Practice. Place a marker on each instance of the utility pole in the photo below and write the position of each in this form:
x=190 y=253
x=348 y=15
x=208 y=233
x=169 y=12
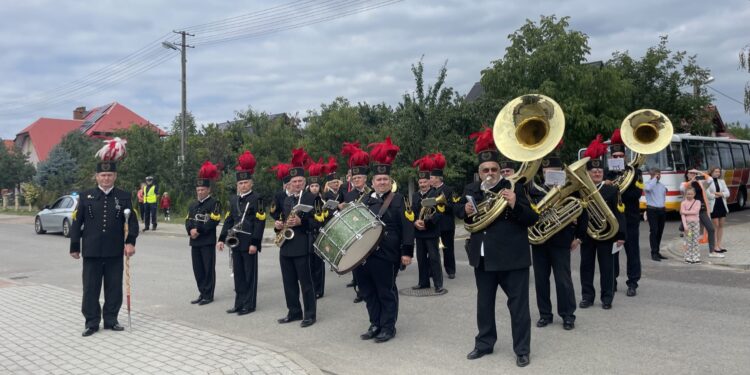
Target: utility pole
x=183 y=114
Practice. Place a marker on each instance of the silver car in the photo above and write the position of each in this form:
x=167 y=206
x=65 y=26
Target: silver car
x=57 y=217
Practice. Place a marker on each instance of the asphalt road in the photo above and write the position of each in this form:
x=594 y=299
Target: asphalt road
x=685 y=319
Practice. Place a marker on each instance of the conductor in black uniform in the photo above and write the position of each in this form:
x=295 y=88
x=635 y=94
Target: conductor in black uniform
x=377 y=276
x=294 y=255
x=553 y=257
x=631 y=198
x=427 y=230
x=99 y=221
x=246 y=221
x=204 y=215
x=446 y=220
x=499 y=253
x=591 y=249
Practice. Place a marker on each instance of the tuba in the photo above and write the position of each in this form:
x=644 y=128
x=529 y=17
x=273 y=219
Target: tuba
x=526 y=129
x=429 y=206
x=558 y=208
x=645 y=132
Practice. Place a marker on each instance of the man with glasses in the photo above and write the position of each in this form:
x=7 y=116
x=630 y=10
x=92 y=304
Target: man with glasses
x=499 y=253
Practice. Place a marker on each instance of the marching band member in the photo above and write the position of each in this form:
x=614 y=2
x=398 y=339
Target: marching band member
x=333 y=183
x=553 y=256
x=427 y=233
x=246 y=220
x=104 y=243
x=602 y=249
x=294 y=255
x=376 y=278
x=317 y=174
x=446 y=221
x=631 y=198
x=203 y=217
x=359 y=162
x=500 y=253
x=282 y=174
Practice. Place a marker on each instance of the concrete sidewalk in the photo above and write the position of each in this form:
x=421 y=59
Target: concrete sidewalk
x=40 y=332
x=736 y=240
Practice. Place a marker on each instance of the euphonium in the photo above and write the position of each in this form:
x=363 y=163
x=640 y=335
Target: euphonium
x=429 y=206
x=526 y=129
x=645 y=132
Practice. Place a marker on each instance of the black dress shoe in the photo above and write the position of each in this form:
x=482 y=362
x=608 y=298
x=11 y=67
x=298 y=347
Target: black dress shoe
x=656 y=257
x=451 y=276
x=205 y=301
x=631 y=292
x=440 y=290
x=478 y=353
x=543 y=322
x=244 y=311
x=233 y=310
x=418 y=287
x=89 y=331
x=384 y=336
x=351 y=284
x=585 y=304
x=197 y=300
x=115 y=327
x=319 y=296
x=606 y=306
x=306 y=322
x=522 y=360
x=357 y=299
x=371 y=333
x=661 y=256
x=288 y=319
x=568 y=325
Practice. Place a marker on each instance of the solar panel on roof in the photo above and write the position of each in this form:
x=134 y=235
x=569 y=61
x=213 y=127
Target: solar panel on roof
x=99 y=112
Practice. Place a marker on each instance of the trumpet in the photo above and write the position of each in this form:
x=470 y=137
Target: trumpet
x=429 y=206
x=232 y=240
x=645 y=132
x=526 y=129
x=201 y=218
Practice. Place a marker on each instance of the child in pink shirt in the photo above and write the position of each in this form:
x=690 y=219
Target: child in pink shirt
x=689 y=210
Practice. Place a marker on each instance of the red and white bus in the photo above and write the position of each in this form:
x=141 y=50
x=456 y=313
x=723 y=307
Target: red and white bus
x=688 y=151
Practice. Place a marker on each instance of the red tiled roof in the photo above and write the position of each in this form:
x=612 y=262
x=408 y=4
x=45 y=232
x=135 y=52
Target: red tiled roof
x=45 y=133
x=116 y=117
x=9 y=144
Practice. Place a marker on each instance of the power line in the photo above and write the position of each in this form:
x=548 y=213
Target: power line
x=725 y=95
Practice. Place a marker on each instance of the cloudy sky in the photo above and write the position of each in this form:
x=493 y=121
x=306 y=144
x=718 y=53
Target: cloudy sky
x=57 y=55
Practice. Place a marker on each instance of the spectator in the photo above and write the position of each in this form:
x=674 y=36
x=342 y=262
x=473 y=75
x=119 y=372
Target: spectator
x=141 y=206
x=697 y=180
x=150 y=194
x=717 y=194
x=690 y=209
x=164 y=204
x=656 y=195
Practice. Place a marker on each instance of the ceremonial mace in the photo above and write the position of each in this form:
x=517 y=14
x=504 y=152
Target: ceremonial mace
x=126 y=212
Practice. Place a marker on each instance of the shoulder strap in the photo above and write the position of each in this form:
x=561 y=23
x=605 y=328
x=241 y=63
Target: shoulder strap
x=385 y=205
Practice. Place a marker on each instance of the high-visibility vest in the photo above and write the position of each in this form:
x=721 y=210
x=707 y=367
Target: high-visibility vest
x=149 y=194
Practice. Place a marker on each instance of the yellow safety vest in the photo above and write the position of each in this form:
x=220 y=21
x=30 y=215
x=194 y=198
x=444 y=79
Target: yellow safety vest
x=149 y=194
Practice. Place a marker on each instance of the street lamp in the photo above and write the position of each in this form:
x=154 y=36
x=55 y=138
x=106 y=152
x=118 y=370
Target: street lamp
x=697 y=85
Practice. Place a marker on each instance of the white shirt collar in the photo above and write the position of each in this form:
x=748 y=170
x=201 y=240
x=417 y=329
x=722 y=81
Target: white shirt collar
x=107 y=191
x=244 y=195
x=204 y=199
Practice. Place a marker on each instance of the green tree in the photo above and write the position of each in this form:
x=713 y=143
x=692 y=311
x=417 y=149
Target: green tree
x=83 y=150
x=745 y=65
x=738 y=130
x=57 y=174
x=15 y=168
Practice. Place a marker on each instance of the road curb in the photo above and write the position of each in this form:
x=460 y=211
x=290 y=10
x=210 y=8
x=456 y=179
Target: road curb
x=674 y=248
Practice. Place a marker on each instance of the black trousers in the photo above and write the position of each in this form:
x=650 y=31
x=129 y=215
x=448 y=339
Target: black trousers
x=428 y=262
x=142 y=210
x=590 y=251
x=150 y=215
x=96 y=270
x=449 y=254
x=204 y=269
x=656 y=220
x=632 y=253
x=515 y=285
x=377 y=284
x=245 y=269
x=296 y=276
x=556 y=260
x=318 y=270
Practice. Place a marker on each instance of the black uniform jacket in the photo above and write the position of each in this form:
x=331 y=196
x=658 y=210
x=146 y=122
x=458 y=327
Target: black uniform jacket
x=99 y=221
x=352 y=195
x=447 y=221
x=564 y=237
x=210 y=209
x=254 y=222
x=398 y=239
x=432 y=224
x=611 y=195
x=337 y=196
x=506 y=240
x=278 y=204
x=300 y=244
x=631 y=197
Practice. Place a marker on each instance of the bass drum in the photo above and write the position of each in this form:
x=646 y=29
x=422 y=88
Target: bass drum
x=349 y=238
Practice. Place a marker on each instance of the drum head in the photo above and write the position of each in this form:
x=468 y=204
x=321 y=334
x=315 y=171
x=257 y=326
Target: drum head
x=360 y=250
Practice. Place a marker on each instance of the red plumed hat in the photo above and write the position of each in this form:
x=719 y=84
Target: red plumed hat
x=424 y=166
x=595 y=151
x=331 y=167
x=359 y=160
x=615 y=142
x=439 y=164
x=300 y=161
x=207 y=173
x=316 y=171
x=245 y=166
x=384 y=153
x=282 y=171
x=112 y=152
x=484 y=145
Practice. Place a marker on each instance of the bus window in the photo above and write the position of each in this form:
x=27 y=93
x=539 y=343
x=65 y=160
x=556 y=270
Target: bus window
x=677 y=156
x=739 y=160
x=661 y=160
x=712 y=154
x=695 y=155
x=746 y=151
x=726 y=156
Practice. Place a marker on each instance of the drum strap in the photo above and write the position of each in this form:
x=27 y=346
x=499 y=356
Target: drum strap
x=385 y=205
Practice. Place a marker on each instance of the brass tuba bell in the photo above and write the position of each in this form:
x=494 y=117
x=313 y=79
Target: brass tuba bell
x=526 y=129
x=645 y=132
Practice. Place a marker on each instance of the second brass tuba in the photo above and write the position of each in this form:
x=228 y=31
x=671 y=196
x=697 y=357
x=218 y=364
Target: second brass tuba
x=526 y=129
x=645 y=132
